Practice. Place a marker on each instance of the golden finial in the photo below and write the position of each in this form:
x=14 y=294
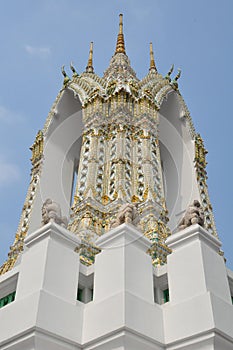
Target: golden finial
x=89 y=67
x=120 y=46
x=152 y=59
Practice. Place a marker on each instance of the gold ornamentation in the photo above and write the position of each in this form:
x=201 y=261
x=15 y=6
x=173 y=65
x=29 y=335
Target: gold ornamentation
x=200 y=153
x=135 y=199
x=37 y=148
x=145 y=194
x=200 y=165
x=105 y=199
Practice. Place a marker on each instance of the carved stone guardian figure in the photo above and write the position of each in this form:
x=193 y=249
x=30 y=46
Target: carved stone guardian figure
x=126 y=214
x=51 y=212
x=194 y=215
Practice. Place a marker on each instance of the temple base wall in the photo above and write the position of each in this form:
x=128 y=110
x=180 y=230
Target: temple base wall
x=122 y=314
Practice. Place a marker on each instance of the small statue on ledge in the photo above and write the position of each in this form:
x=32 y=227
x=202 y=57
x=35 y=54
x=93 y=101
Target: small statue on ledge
x=127 y=214
x=51 y=212
x=194 y=215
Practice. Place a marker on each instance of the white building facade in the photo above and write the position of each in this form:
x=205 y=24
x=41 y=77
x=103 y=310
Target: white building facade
x=106 y=265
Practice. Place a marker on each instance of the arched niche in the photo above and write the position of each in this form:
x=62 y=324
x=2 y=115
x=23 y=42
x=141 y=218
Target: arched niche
x=177 y=150
x=62 y=144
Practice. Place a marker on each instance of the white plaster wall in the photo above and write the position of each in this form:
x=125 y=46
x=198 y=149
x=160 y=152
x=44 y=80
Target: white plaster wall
x=200 y=301
x=123 y=290
x=46 y=293
x=122 y=316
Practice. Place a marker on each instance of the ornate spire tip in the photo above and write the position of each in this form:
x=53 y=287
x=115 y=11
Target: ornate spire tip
x=120 y=46
x=120 y=23
x=152 y=59
x=89 y=68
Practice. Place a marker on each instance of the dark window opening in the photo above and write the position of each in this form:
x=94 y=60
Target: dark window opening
x=84 y=294
x=7 y=299
x=166 y=295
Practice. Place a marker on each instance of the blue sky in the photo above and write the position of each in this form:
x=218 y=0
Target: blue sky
x=38 y=37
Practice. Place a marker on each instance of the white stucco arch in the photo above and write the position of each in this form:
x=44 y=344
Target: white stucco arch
x=177 y=156
x=62 y=144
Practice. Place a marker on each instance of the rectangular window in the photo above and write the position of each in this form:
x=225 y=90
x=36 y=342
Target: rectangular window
x=166 y=295
x=80 y=294
x=7 y=299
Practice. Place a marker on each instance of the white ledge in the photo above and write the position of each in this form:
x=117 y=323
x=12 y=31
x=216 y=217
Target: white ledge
x=54 y=231
x=123 y=235
x=192 y=233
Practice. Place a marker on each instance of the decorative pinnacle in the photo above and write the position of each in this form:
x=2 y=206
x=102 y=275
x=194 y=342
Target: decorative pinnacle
x=89 y=67
x=120 y=46
x=152 y=59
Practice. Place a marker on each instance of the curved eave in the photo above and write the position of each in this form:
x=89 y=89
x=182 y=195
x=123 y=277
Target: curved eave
x=149 y=78
x=93 y=79
x=79 y=91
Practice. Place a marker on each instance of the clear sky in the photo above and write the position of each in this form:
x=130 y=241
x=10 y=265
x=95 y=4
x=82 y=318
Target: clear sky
x=38 y=37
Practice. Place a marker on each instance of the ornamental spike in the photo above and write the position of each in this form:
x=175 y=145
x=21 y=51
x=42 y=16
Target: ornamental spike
x=174 y=81
x=89 y=67
x=168 y=76
x=178 y=75
x=75 y=74
x=120 y=46
x=66 y=78
x=63 y=71
x=152 y=59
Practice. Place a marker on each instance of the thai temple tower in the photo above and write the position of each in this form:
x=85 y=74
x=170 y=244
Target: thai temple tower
x=107 y=255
